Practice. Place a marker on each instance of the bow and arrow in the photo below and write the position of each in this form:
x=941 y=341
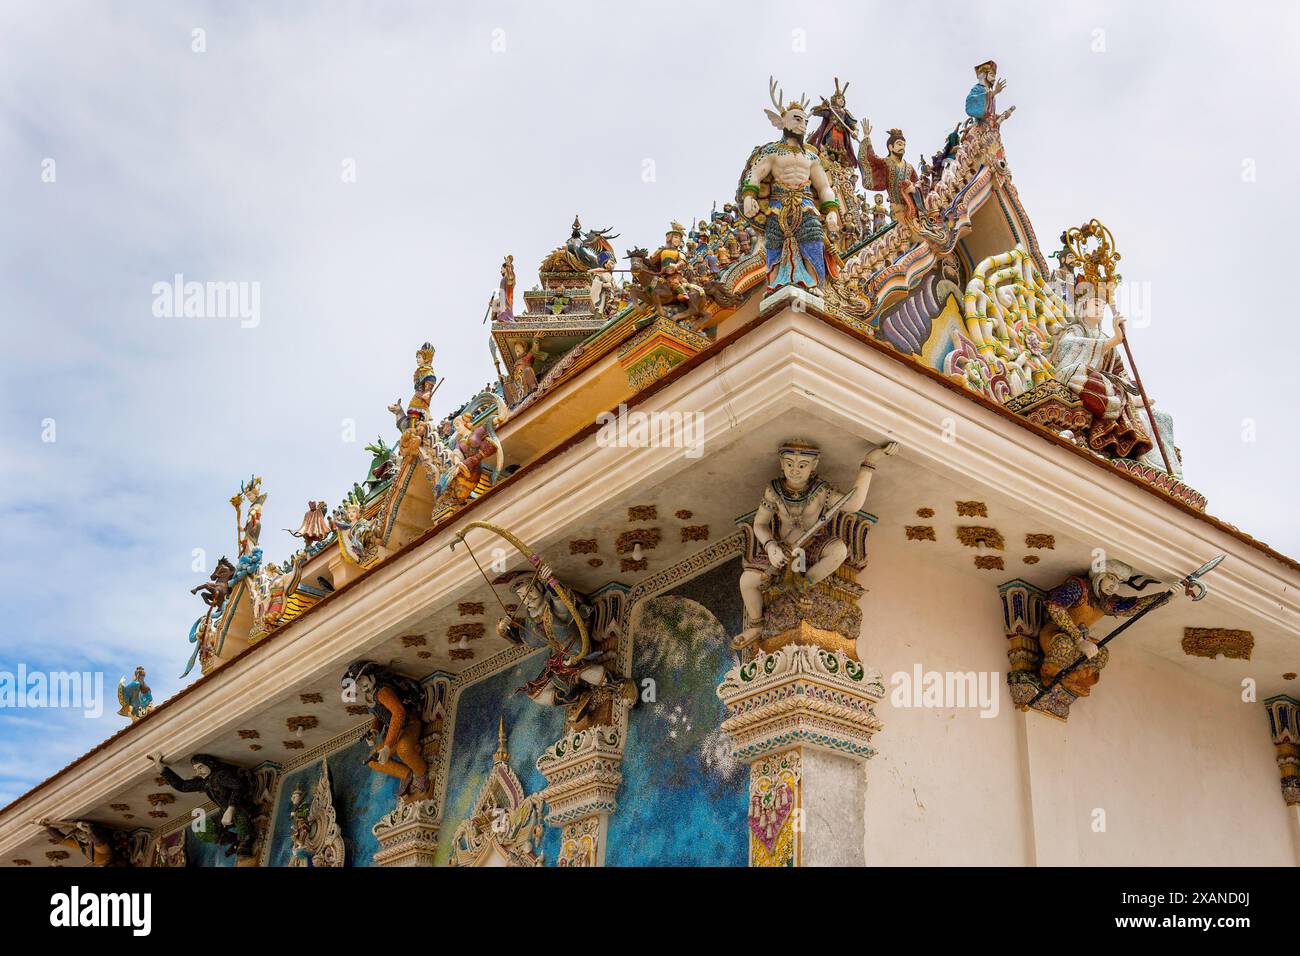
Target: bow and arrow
x=553 y=586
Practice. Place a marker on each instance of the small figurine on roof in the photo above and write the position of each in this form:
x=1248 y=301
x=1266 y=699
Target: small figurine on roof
x=981 y=101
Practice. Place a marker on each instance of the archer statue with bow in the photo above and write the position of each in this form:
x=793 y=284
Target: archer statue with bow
x=578 y=674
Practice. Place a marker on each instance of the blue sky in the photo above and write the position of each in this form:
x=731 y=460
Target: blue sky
x=477 y=133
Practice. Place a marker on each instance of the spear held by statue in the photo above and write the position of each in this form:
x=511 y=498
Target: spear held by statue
x=1192 y=586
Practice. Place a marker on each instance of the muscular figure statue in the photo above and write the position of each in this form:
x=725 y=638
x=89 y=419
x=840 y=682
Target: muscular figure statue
x=785 y=190
x=793 y=528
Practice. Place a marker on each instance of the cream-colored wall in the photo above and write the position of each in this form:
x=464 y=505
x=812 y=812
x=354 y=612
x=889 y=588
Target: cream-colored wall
x=1183 y=769
x=944 y=787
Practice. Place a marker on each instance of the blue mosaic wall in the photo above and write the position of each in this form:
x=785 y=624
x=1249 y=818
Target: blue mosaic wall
x=530 y=729
x=361 y=797
x=684 y=799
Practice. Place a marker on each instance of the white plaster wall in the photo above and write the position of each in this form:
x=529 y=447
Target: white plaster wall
x=945 y=786
x=1183 y=768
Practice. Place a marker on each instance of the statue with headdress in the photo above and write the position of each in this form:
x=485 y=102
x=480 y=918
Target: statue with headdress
x=1075 y=606
x=786 y=192
x=899 y=180
x=981 y=101
x=838 y=129
x=794 y=544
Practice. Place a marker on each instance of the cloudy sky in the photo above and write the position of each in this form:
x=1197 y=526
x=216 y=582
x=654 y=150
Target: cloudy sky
x=368 y=165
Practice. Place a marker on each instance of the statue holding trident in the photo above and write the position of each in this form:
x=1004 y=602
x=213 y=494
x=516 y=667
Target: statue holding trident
x=796 y=548
x=785 y=192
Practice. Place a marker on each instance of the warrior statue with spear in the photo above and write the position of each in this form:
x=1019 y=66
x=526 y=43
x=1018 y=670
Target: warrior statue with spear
x=1072 y=656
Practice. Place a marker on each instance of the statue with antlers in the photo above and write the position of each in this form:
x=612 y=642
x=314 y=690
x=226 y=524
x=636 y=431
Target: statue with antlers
x=786 y=192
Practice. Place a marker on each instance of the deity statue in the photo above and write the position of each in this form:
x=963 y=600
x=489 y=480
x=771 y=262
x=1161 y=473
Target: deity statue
x=894 y=174
x=356 y=532
x=1086 y=361
x=785 y=191
x=668 y=261
x=473 y=444
x=396 y=704
x=670 y=279
x=315 y=526
x=879 y=214
x=135 y=698
x=834 y=137
x=231 y=788
x=523 y=376
x=578 y=673
x=251 y=529
x=99 y=845
x=426 y=383
x=503 y=303
x=981 y=103
x=1073 y=607
x=792 y=527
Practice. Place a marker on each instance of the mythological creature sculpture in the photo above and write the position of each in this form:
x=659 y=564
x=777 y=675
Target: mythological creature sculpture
x=396 y=704
x=592 y=253
x=217 y=588
x=135 y=697
x=793 y=528
x=99 y=845
x=1077 y=604
x=785 y=191
x=231 y=788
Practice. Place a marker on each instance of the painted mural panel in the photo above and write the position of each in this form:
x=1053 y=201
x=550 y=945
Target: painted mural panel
x=530 y=729
x=683 y=799
x=361 y=797
x=202 y=853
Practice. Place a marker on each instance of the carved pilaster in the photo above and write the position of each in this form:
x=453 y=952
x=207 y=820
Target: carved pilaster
x=1022 y=619
x=1284 y=725
x=802 y=717
x=583 y=776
